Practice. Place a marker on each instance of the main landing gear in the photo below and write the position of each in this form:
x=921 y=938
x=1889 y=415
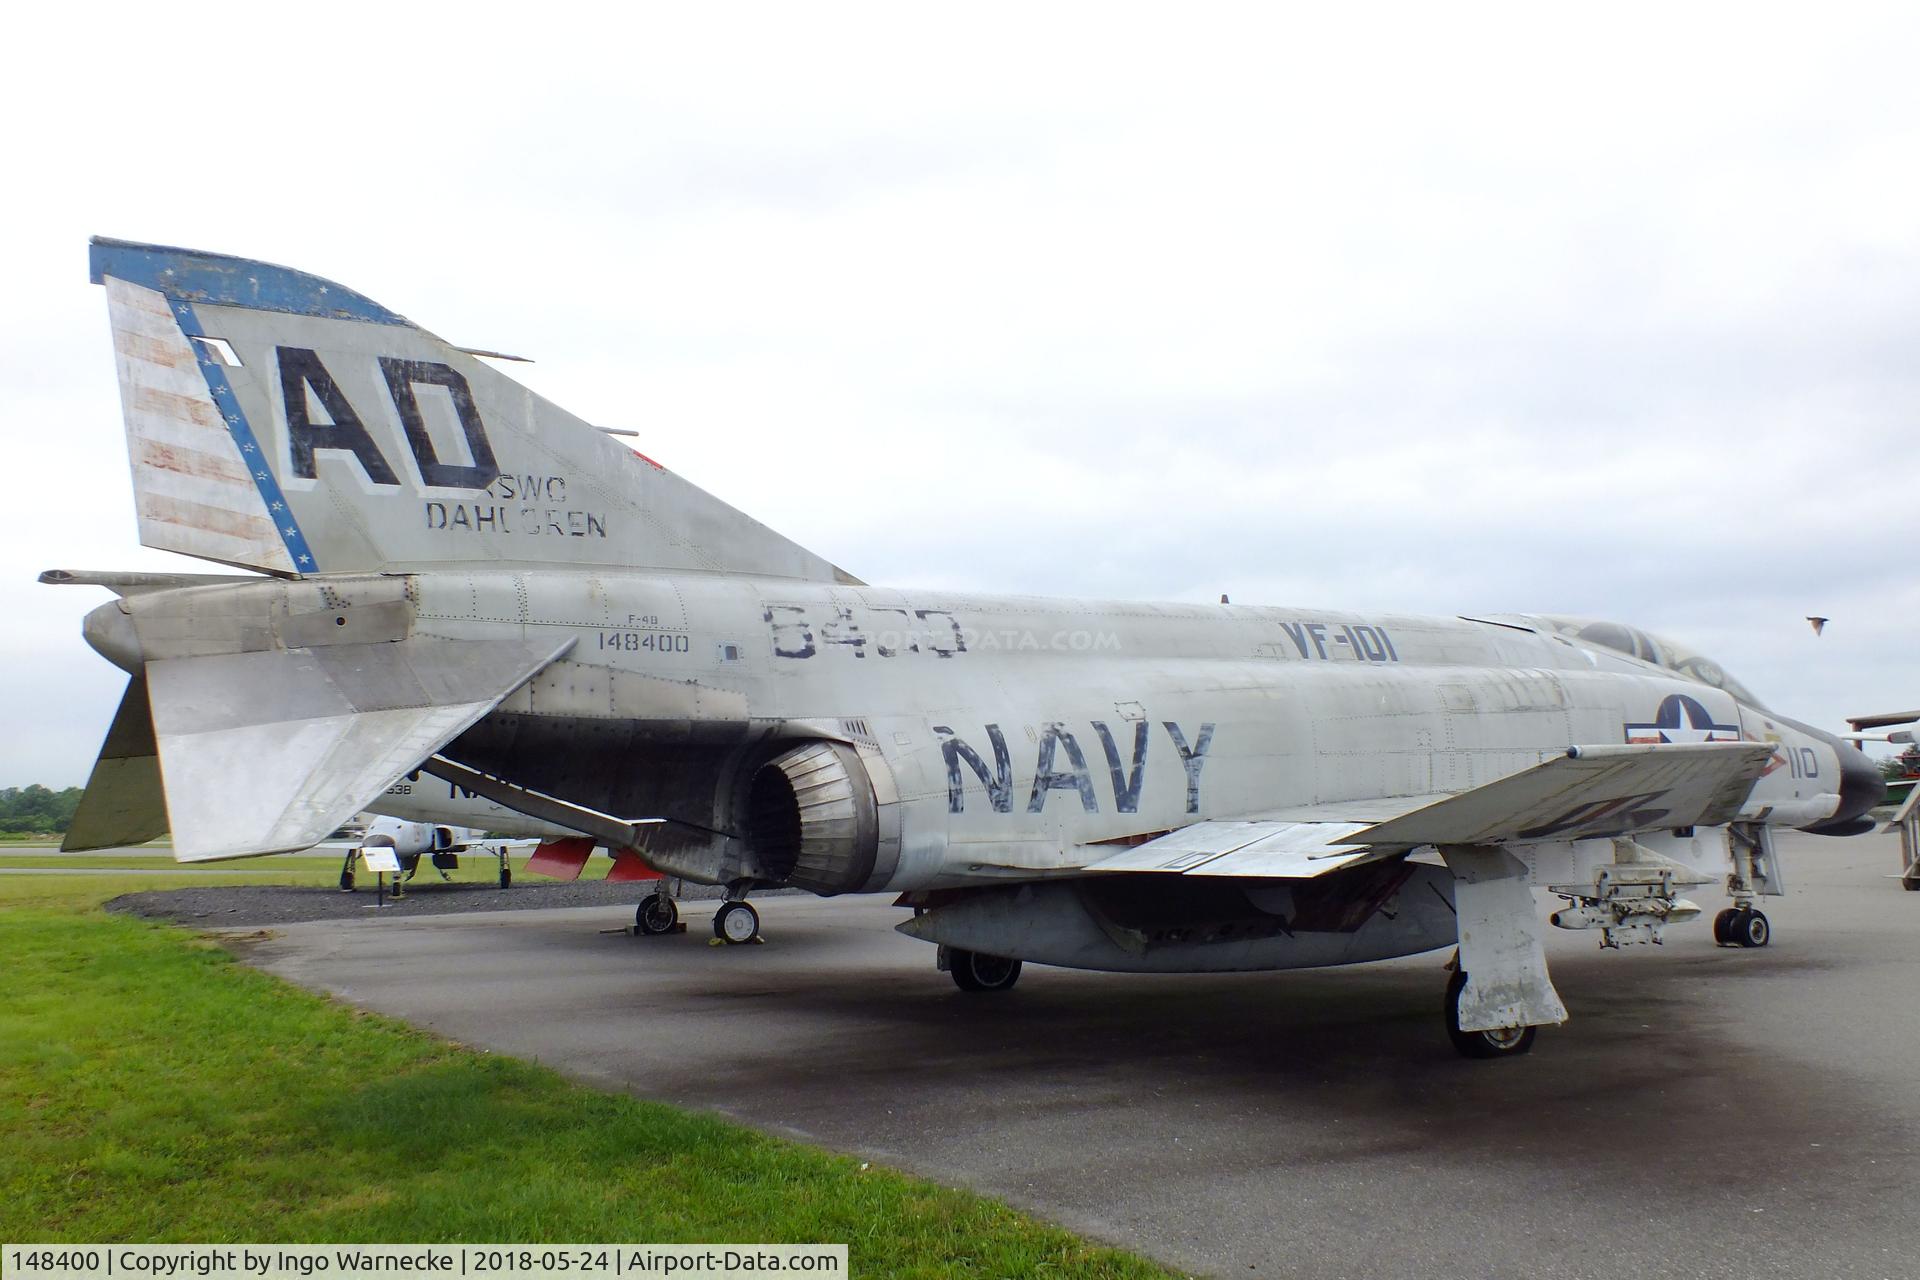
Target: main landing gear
x=1506 y=1042
x=656 y=915
x=736 y=922
x=975 y=971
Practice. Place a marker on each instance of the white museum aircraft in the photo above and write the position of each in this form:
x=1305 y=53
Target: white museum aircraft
x=420 y=815
x=439 y=844
x=452 y=574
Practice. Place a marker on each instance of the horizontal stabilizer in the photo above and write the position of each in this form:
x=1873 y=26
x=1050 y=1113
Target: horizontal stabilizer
x=1589 y=792
x=123 y=802
x=271 y=751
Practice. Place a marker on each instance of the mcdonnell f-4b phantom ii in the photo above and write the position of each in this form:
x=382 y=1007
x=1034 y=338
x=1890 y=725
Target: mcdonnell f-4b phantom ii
x=461 y=577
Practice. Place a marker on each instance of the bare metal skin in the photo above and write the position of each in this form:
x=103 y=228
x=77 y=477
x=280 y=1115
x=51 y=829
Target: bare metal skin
x=469 y=584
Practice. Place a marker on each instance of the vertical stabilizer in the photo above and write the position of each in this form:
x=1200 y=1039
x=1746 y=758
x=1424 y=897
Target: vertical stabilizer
x=281 y=422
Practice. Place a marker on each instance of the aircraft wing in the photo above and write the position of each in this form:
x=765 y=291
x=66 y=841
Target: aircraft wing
x=1299 y=842
x=1249 y=848
x=1589 y=792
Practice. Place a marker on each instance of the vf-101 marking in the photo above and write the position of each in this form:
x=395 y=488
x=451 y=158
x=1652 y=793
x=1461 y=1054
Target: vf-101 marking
x=1100 y=784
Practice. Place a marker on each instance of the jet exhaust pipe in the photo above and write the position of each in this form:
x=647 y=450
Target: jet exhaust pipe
x=812 y=820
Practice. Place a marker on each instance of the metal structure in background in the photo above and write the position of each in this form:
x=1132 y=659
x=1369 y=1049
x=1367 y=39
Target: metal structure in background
x=1906 y=819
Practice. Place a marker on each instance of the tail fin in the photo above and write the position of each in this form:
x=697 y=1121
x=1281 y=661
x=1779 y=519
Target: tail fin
x=280 y=422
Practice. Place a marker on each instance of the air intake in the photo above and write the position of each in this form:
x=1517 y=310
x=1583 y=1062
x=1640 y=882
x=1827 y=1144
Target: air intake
x=811 y=819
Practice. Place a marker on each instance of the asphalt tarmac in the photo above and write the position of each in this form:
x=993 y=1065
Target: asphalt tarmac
x=1705 y=1113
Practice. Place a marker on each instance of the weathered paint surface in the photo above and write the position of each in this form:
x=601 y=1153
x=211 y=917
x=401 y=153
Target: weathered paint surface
x=195 y=491
x=668 y=672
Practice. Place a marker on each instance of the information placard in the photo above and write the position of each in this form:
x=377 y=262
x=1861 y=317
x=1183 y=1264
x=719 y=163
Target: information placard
x=381 y=858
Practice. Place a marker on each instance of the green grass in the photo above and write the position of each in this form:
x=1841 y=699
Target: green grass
x=86 y=893
x=263 y=871
x=152 y=1088
x=479 y=867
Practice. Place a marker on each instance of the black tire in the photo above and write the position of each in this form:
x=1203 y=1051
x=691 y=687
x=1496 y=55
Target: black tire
x=1510 y=1043
x=346 y=882
x=656 y=915
x=975 y=972
x=736 y=923
x=1752 y=929
x=1910 y=883
x=1723 y=927
x=506 y=877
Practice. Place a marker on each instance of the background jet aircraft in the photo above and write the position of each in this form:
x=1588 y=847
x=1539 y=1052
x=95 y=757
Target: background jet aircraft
x=423 y=807
x=411 y=841
x=466 y=579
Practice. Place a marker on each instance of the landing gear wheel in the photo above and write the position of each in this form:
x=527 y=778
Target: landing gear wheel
x=506 y=876
x=973 y=971
x=346 y=882
x=1723 y=927
x=1751 y=929
x=736 y=922
x=1508 y=1042
x=656 y=914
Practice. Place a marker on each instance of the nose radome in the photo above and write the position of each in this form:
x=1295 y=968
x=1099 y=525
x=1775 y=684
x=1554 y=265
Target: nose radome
x=1861 y=785
x=110 y=631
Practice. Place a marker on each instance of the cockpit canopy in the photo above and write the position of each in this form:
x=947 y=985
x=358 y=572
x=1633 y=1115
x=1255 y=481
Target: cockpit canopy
x=1647 y=647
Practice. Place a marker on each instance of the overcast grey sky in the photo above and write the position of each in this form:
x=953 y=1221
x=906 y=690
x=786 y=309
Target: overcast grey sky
x=1428 y=309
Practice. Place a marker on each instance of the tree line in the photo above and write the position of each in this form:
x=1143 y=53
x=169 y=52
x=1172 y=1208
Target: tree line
x=34 y=809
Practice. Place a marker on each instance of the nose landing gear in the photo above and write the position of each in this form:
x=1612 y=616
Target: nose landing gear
x=1755 y=872
x=1742 y=927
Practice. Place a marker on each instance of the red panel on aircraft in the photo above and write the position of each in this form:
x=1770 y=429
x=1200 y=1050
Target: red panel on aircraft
x=561 y=859
x=629 y=865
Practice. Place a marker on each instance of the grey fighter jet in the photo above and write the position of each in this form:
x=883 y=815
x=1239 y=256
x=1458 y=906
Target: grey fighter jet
x=447 y=572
